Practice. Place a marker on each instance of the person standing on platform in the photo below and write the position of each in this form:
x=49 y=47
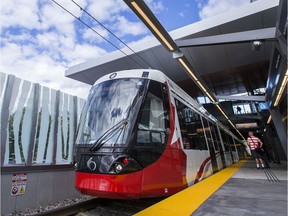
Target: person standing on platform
x=255 y=145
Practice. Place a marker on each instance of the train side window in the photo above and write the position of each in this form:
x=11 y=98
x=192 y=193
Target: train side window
x=216 y=137
x=208 y=133
x=191 y=127
x=154 y=116
x=225 y=141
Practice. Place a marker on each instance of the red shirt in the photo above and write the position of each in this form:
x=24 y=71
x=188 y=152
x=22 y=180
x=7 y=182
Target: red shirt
x=253 y=142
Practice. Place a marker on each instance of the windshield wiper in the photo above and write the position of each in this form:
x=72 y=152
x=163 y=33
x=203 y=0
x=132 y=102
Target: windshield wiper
x=118 y=128
x=109 y=134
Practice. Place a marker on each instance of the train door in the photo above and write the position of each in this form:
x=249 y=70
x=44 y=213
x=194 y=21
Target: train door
x=193 y=143
x=236 y=154
x=227 y=148
x=218 y=147
x=154 y=149
x=210 y=143
x=222 y=148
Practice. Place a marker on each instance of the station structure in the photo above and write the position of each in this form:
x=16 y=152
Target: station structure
x=215 y=61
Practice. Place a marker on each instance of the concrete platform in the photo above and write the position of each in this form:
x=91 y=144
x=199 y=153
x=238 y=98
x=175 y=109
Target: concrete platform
x=250 y=192
x=238 y=190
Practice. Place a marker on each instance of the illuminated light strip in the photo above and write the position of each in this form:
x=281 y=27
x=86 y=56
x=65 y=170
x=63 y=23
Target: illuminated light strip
x=206 y=92
x=229 y=121
x=232 y=124
x=284 y=82
x=135 y=5
x=269 y=119
x=200 y=84
x=188 y=69
x=222 y=112
x=210 y=97
x=241 y=135
x=235 y=128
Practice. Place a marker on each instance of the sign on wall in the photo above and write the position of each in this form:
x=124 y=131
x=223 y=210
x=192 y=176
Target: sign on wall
x=18 y=184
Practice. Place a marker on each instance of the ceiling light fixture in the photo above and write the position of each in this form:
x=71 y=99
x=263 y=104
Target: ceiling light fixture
x=281 y=90
x=151 y=24
x=256 y=45
x=269 y=120
x=220 y=109
x=187 y=69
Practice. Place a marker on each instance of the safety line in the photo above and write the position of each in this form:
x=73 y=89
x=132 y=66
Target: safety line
x=187 y=201
x=272 y=178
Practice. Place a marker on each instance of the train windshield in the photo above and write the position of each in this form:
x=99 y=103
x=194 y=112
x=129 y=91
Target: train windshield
x=108 y=112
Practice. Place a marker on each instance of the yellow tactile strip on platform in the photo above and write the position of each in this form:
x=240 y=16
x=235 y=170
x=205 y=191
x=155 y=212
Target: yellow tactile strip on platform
x=187 y=201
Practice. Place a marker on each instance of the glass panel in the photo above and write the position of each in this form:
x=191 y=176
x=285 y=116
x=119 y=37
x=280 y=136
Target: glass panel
x=64 y=116
x=13 y=148
x=48 y=154
x=151 y=137
x=66 y=128
x=107 y=111
x=3 y=82
x=26 y=127
x=42 y=127
x=59 y=138
x=72 y=123
x=244 y=108
x=216 y=138
x=191 y=127
x=207 y=130
x=154 y=116
x=19 y=125
x=225 y=141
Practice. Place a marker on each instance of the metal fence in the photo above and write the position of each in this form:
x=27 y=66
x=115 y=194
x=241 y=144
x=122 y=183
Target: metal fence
x=38 y=124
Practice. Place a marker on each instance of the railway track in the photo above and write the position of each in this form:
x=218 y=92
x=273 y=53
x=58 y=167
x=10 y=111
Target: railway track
x=104 y=207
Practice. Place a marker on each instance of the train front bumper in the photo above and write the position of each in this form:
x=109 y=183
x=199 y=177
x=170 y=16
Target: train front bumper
x=125 y=186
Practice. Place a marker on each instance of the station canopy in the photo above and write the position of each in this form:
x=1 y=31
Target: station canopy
x=230 y=51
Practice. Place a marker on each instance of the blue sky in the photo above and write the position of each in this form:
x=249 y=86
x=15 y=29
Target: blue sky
x=39 y=40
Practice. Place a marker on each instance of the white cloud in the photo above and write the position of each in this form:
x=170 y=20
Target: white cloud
x=181 y=14
x=84 y=52
x=125 y=27
x=140 y=42
x=40 y=40
x=39 y=68
x=215 y=7
x=155 y=6
x=19 y=13
x=106 y=10
x=23 y=35
x=55 y=18
x=40 y=46
x=93 y=37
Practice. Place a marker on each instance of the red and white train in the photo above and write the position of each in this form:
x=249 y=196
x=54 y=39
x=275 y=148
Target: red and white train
x=140 y=135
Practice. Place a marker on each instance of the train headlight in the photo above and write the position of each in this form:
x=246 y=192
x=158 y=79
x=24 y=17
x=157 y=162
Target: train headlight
x=118 y=168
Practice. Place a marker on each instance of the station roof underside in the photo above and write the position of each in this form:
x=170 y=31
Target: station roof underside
x=219 y=48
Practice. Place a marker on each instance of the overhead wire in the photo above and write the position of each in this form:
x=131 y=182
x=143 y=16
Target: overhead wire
x=81 y=8
x=88 y=26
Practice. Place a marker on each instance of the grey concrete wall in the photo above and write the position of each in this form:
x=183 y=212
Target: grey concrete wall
x=41 y=188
